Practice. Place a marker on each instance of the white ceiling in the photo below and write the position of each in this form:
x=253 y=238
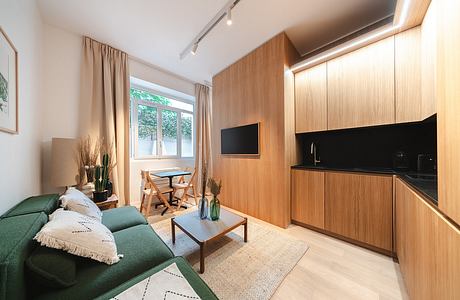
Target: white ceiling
x=157 y=31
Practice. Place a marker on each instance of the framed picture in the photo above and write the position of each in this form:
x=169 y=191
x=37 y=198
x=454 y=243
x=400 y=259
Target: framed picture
x=8 y=85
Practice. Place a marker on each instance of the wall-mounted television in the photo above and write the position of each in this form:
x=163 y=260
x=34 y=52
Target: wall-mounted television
x=242 y=140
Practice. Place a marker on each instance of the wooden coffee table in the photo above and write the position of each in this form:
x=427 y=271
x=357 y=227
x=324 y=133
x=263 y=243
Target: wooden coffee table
x=203 y=231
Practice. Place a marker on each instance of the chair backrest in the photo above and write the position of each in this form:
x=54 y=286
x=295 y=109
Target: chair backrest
x=149 y=183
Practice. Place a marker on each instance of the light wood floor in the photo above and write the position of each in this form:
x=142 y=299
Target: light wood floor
x=333 y=269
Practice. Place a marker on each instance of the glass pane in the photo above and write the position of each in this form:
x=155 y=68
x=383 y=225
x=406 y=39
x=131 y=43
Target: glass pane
x=187 y=135
x=169 y=132
x=146 y=96
x=147 y=130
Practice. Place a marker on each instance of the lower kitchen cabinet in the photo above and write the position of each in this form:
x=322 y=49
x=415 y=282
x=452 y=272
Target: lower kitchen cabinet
x=360 y=207
x=308 y=197
x=427 y=247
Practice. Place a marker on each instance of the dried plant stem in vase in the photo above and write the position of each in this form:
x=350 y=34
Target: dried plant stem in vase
x=214 y=206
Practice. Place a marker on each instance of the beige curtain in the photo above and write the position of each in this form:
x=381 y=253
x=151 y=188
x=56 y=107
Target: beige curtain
x=105 y=105
x=203 y=132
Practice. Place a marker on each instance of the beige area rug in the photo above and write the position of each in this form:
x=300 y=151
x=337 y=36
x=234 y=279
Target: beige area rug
x=238 y=270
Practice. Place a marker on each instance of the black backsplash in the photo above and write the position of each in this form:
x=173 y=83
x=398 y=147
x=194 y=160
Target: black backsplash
x=371 y=147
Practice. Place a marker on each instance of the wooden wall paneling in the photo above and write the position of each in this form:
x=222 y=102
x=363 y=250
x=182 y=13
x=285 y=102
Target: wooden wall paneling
x=375 y=211
x=408 y=76
x=311 y=99
x=253 y=90
x=341 y=203
x=292 y=147
x=308 y=197
x=361 y=87
x=428 y=53
x=448 y=105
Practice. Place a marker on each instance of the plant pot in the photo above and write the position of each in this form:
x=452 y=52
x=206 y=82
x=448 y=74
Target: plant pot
x=214 y=208
x=109 y=188
x=203 y=208
x=100 y=196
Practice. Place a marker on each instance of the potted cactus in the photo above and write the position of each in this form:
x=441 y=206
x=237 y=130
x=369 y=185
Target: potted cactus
x=101 y=178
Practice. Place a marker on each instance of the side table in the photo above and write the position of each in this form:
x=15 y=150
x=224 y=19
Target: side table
x=111 y=202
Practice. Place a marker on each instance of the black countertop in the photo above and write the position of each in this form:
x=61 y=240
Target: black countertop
x=426 y=184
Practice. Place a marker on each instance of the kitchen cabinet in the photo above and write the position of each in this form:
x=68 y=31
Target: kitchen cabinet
x=428 y=62
x=341 y=204
x=308 y=197
x=426 y=246
x=311 y=99
x=448 y=105
x=360 y=87
x=360 y=207
x=408 y=94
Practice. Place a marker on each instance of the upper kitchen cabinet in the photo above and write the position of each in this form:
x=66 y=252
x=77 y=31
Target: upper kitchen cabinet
x=408 y=76
x=448 y=105
x=361 y=88
x=311 y=99
x=428 y=63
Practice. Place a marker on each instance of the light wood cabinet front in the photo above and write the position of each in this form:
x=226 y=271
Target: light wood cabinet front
x=311 y=99
x=428 y=62
x=448 y=104
x=408 y=76
x=360 y=207
x=427 y=247
x=308 y=197
x=341 y=204
x=375 y=211
x=360 y=87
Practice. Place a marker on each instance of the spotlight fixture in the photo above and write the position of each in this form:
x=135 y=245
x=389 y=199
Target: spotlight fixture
x=194 y=48
x=229 y=17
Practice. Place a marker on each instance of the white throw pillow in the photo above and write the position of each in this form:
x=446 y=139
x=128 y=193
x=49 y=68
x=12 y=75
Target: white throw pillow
x=75 y=200
x=79 y=235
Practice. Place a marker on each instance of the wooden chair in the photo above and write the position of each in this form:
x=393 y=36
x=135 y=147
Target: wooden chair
x=185 y=187
x=149 y=190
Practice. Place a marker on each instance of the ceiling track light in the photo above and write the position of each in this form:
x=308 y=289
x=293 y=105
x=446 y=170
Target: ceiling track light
x=225 y=11
x=229 y=17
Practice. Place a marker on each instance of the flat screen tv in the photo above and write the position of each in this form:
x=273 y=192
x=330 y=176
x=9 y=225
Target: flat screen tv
x=242 y=140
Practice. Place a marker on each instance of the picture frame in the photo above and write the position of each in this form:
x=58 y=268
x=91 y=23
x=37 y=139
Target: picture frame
x=9 y=100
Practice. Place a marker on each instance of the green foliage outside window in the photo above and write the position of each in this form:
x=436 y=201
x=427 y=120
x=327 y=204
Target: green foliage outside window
x=147 y=117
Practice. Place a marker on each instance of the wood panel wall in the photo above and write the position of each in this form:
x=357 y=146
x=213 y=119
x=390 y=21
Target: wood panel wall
x=258 y=88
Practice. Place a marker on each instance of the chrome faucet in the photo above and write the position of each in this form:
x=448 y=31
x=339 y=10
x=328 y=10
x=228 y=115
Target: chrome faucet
x=313 y=151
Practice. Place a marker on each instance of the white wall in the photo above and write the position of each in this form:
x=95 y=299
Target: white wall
x=20 y=154
x=61 y=92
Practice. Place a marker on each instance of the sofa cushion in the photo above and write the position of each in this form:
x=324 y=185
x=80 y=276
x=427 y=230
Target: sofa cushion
x=75 y=200
x=116 y=219
x=142 y=250
x=79 y=235
x=35 y=204
x=200 y=287
x=17 y=244
x=52 y=268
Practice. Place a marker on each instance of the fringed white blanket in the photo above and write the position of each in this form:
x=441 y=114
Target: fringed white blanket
x=168 y=283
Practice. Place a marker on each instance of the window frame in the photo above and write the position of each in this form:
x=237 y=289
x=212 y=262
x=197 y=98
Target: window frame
x=134 y=130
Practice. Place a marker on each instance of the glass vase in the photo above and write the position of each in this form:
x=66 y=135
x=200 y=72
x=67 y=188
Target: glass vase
x=203 y=208
x=214 y=207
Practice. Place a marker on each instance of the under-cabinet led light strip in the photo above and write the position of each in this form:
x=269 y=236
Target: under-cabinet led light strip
x=401 y=22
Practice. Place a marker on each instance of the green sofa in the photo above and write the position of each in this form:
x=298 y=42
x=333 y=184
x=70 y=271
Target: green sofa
x=144 y=254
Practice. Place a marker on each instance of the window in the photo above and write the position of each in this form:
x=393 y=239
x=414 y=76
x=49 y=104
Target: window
x=161 y=127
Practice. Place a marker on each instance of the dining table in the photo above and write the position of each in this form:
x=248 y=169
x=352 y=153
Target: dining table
x=170 y=175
